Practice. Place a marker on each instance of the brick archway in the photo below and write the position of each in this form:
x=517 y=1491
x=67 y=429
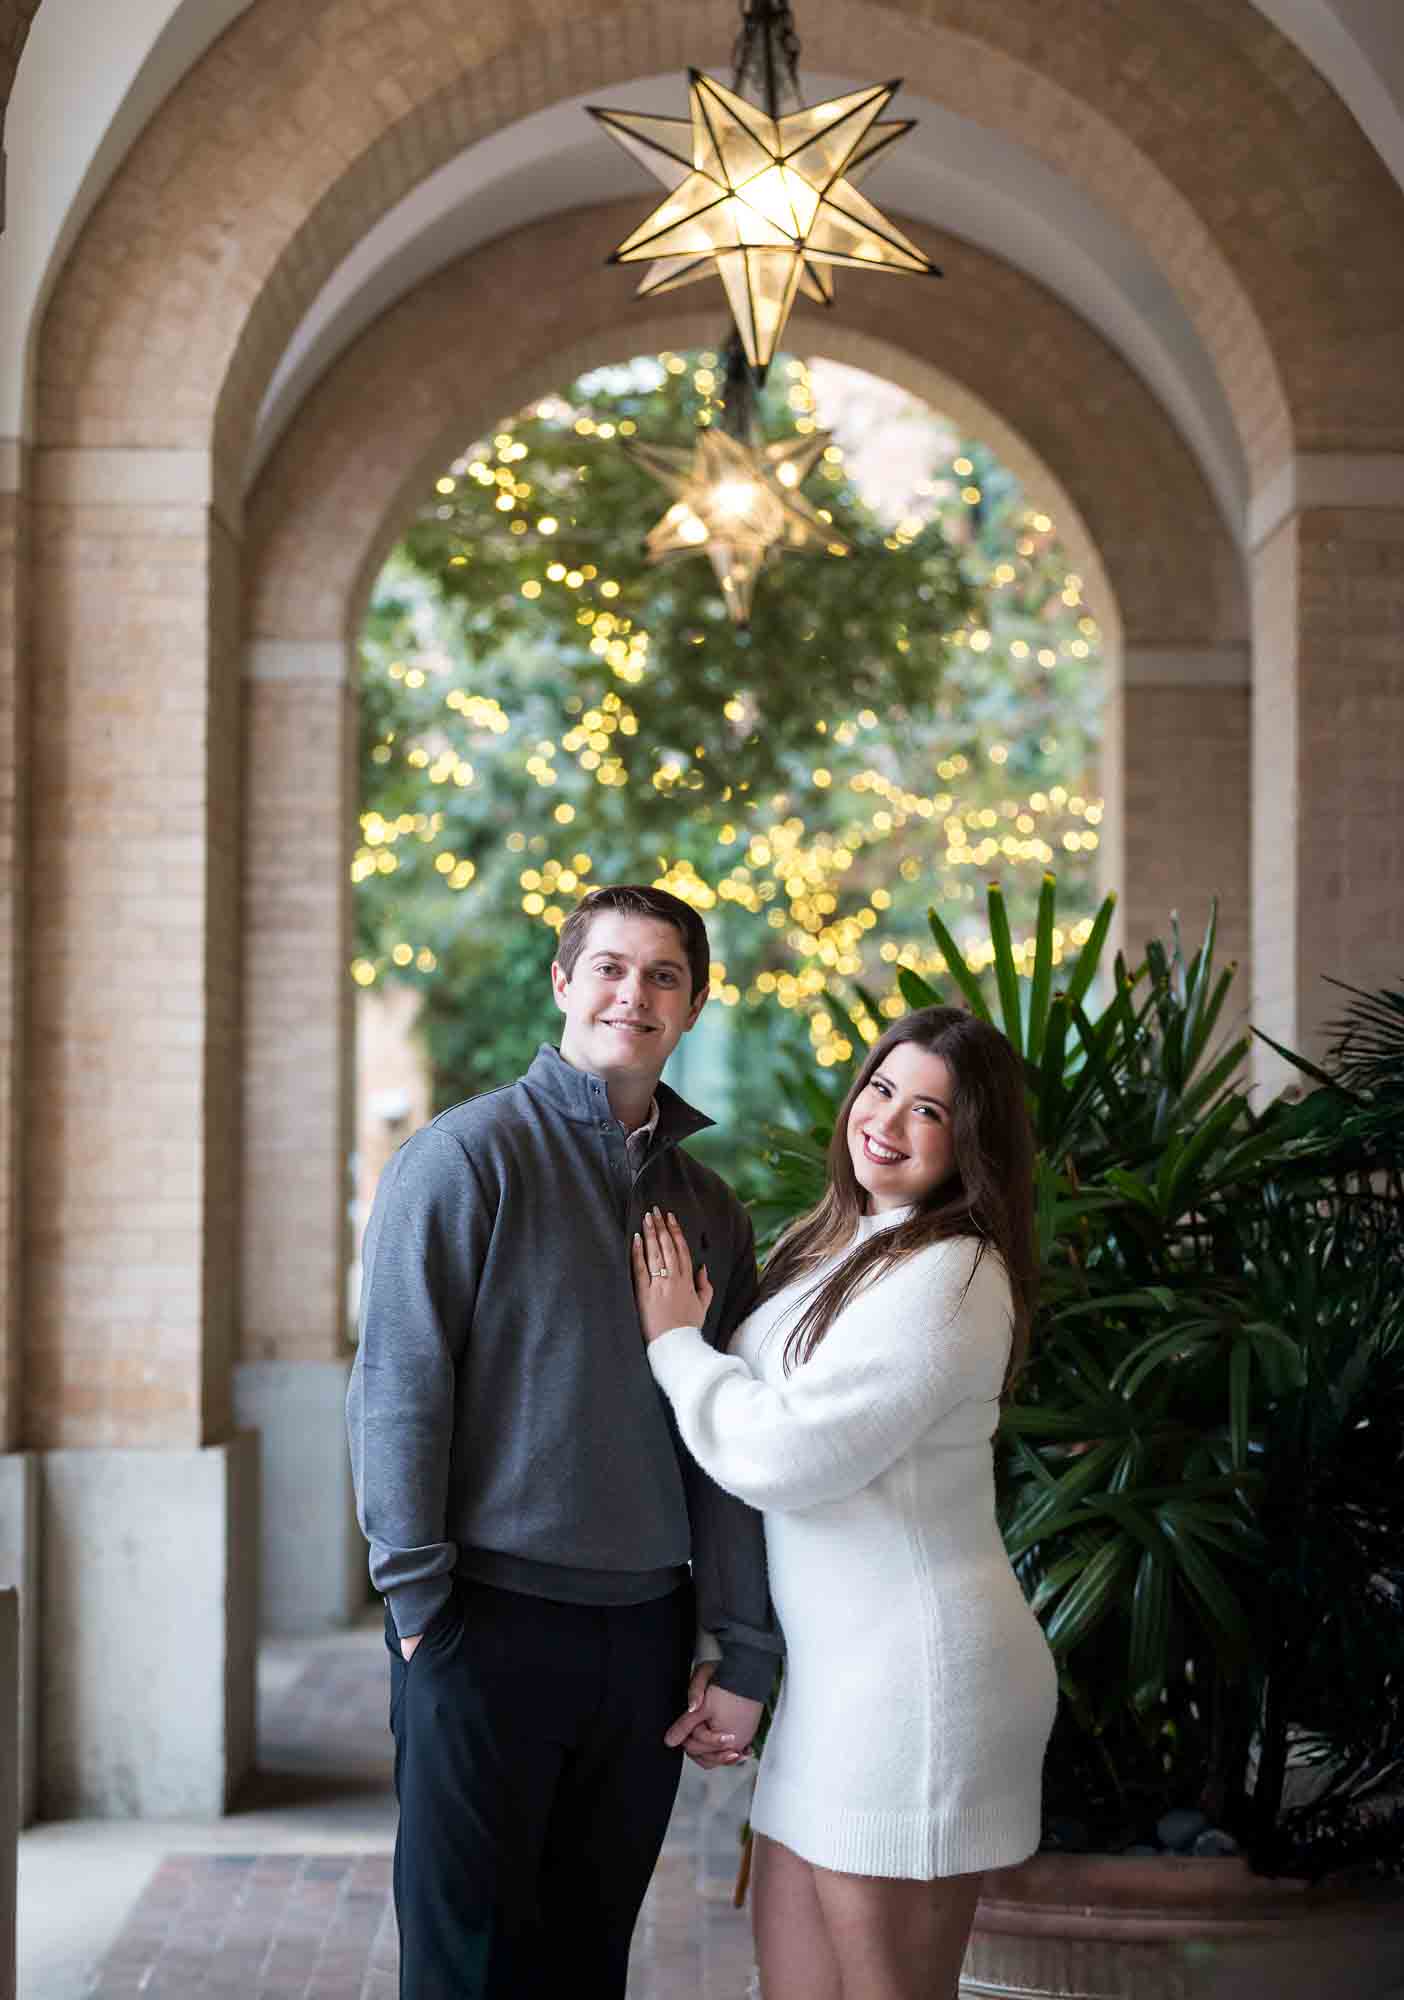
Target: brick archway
x=437 y=370
x=342 y=479
x=1165 y=576
x=1212 y=141
x=1209 y=139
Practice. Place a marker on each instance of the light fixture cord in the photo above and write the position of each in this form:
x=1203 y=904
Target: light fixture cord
x=766 y=56
x=738 y=414
x=767 y=53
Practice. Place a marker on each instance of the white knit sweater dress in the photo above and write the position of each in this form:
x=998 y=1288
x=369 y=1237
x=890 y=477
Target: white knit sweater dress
x=919 y=1691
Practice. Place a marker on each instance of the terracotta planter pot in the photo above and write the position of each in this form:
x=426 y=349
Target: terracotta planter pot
x=1107 y=1927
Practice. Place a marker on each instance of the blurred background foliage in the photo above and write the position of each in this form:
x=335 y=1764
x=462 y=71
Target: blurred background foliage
x=542 y=710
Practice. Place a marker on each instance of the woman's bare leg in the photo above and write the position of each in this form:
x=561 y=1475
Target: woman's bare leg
x=796 y=1960
x=896 y=1940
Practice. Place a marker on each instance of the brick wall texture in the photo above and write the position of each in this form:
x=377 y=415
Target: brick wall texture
x=298 y=1038
x=1185 y=818
x=1328 y=756
x=132 y=1150
x=14 y=515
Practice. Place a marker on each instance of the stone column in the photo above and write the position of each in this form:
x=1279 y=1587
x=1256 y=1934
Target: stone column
x=1328 y=753
x=1178 y=778
x=19 y=1514
x=14 y=765
x=290 y=1384
x=149 y=1502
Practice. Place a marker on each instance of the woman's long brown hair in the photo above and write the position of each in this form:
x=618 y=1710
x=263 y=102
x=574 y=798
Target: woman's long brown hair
x=989 y=1196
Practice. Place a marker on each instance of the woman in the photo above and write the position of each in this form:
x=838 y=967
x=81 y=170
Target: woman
x=856 y=1408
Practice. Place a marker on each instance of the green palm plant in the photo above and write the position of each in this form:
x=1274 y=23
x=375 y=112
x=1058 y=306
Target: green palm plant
x=1200 y=1453
x=1330 y=1599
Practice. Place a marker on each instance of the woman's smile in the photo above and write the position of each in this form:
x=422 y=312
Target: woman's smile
x=879 y=1152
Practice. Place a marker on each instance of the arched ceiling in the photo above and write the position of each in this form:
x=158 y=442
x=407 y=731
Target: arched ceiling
x=89 y=80
x=435 y=370
x=948 y=173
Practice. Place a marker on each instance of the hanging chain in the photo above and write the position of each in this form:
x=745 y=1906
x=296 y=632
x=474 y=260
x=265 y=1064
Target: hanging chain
x=766 y=56
x=738 y=413
x=767 y=51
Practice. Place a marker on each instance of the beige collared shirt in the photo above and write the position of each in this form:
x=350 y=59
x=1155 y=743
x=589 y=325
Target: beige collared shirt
x=640 y=1139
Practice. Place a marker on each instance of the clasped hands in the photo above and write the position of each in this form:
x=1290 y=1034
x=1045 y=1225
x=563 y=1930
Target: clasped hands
x=717 y=1727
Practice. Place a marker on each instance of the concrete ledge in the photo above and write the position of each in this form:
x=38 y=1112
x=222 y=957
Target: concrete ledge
x=1200 y=666
x=9 y=1785
x=319 y=660
x=312 y=1556
x=1331 y=479
x=149 y=1568
x=19 y=1571
x=123 y=477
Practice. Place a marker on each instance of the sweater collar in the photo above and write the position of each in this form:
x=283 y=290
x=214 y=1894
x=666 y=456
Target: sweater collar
x=584 y=1098
x=887 y=1218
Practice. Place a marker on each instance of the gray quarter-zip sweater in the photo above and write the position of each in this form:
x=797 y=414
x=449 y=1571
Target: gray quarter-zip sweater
x=503 y=1420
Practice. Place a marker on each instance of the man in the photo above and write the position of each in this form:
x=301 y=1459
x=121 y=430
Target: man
x=530 y=1509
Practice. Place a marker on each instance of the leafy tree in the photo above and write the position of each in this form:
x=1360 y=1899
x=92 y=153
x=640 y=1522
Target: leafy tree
x=542 y=710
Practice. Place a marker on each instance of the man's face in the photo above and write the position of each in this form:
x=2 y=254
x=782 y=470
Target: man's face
x=629 y=999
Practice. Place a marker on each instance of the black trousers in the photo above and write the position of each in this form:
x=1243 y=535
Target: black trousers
x=534 y=1789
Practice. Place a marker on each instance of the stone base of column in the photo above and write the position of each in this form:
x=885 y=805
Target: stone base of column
x=149 y=1564
x=312 y=1555
x=19 y=1571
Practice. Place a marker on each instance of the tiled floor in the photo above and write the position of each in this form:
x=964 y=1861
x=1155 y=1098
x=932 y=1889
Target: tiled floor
x=319 y=1925
x=295 y=1926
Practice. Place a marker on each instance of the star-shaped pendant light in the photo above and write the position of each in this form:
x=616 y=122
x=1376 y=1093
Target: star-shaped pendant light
x=765 y=197
x=736 y=500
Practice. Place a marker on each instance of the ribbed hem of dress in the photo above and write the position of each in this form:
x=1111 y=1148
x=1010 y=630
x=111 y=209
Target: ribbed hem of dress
x=915 y=1846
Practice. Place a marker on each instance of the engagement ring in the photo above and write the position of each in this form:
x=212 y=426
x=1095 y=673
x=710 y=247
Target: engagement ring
x=661 y=1274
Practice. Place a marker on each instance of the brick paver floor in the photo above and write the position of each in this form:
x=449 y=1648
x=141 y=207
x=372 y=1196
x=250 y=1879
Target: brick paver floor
x=320 y=1926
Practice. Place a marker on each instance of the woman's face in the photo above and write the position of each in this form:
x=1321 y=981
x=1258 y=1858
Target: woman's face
x=899 y=1130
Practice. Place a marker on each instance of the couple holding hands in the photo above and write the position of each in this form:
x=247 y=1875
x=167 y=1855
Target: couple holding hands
x=609 y=1478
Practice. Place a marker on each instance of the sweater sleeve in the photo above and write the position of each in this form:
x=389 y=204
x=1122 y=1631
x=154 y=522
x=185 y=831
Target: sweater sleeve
x=424 y=1249
x=728 y=1538
x=922 y=1339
